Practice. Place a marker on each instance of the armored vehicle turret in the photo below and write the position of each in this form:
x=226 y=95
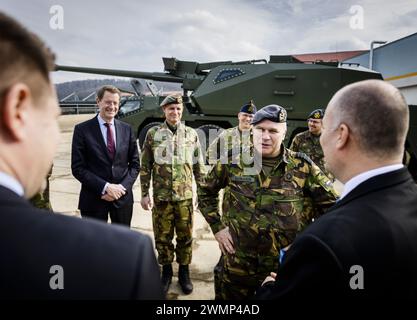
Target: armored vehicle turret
x=214 y=92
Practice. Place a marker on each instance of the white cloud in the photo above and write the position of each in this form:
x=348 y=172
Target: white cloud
x=136 y=35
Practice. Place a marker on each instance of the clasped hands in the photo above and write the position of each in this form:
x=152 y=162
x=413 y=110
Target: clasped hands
x=114 y=192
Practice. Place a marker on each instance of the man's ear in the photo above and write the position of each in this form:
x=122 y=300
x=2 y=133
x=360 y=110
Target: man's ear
x=343 y=135
x=16 y=103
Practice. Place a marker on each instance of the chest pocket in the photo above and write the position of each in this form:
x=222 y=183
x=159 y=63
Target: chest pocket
x=244 y=186
x=286 y=202
x=185 y=152
x=162 y=152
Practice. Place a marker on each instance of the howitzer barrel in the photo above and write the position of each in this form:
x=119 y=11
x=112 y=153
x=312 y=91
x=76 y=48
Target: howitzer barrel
x=156 y=76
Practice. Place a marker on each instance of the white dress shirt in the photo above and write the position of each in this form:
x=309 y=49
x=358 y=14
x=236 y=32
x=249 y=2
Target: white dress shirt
x=357 y=180
x=11 y=183
x=103 y=129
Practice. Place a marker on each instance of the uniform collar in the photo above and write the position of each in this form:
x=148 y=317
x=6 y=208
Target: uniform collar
x=283 y=155
x=284 y=152
x=180 y=126
x=313 y=135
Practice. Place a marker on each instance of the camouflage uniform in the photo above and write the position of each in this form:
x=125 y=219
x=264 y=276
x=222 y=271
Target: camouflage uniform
x=263 y=213
x=41 y=199
x=171 y=159
x=229 y=139
x=309 y=144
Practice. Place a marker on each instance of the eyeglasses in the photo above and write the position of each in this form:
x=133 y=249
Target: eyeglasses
x=110 y=103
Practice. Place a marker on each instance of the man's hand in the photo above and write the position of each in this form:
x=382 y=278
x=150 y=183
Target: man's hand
x=115 y=191
x=224 y=238
x=107 y=198
x=146 y=203
x=272 y=277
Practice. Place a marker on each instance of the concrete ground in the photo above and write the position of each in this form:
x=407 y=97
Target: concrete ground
x=64 y=191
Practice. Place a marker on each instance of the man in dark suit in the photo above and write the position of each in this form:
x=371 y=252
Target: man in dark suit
x=365 y=246
x=105 y=160
x=44 y=255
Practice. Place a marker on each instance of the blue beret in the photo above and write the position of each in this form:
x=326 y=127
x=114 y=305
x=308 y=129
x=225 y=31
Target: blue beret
x=249 y=108
x=316 y=114
x=271 y=112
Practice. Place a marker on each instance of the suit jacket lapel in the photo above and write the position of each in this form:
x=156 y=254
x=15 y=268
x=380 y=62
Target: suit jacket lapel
x=99 y=137
x=119 y=137
x=374 y=184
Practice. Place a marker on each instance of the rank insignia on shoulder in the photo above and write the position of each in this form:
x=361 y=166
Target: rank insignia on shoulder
x=288 y=177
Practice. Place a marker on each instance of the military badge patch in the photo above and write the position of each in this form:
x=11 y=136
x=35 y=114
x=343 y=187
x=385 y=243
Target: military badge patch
x=282 y=117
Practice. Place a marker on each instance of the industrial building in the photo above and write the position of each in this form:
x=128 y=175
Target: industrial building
x=397 y=62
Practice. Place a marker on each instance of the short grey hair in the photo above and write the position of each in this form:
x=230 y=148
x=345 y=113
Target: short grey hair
x=377 y=114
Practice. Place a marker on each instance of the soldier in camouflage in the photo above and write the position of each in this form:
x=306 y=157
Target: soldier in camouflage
x=233 y=138
x=41 y=199
x=171 y=156
x=262 y=207
x=308 y=141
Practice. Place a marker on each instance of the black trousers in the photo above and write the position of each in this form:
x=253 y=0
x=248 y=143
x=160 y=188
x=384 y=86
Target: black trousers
x=117 y=215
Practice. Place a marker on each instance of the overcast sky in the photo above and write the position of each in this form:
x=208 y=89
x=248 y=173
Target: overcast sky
x=135 y=35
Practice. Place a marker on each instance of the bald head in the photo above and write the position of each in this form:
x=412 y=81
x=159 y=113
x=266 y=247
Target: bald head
x=376 y=114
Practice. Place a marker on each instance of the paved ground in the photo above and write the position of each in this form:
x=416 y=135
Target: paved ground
x=64 y=198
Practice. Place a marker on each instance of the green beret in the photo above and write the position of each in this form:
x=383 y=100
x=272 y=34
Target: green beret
x=272 y=112
x=176 y=99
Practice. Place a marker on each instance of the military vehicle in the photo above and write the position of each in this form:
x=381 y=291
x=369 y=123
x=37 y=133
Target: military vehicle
x=214 y=92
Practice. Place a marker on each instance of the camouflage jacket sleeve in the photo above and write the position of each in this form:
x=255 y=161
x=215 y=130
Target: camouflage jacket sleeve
x=208 y=196
x=321 y=189
x=133 y=162
x=199 y=167
x=213 y=150
x=147 y=161
x=295 y=144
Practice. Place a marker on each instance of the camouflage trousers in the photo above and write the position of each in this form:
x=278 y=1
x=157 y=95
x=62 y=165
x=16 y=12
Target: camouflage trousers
x=237 y=277
x=168 y=216
x=41 y=199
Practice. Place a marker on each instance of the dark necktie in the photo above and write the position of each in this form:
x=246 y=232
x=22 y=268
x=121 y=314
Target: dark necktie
x=110 y=141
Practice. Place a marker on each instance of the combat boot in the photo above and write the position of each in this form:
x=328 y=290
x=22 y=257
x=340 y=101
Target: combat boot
x=184 y=279
x=166 y=277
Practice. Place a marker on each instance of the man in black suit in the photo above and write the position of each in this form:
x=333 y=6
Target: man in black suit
x=365 y=246
x=44 y=255
x=105 y=160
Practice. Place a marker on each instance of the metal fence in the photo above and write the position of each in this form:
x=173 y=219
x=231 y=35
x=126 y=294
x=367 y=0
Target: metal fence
x=78 y=109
